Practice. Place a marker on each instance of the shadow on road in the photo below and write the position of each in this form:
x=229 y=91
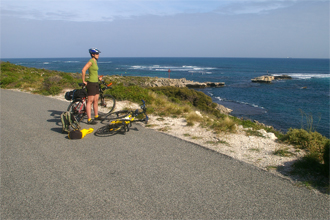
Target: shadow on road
x=300 y=177
x=56 y=119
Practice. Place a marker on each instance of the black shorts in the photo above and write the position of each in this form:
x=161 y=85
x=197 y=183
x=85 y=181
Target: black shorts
x=92 y=88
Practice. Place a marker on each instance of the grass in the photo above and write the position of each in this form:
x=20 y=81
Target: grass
x=272 y=168
x=253 y=133
x=283 y=152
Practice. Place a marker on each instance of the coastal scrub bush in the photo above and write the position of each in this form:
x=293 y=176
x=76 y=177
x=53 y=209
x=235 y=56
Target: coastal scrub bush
x=326 y=158
x=131 y=93
x=193 y=117
x=224 y=124
x=195 y=98
x=314 y=142
x=40 y=81
x=8 y=80
x=317 y=147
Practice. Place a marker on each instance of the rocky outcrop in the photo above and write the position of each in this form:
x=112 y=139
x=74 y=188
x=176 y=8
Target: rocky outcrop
x=159 y=82
x=269 y=79
x=223 y=109
x=263 y=79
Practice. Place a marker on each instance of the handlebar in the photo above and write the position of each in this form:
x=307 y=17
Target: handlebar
x=107 y=86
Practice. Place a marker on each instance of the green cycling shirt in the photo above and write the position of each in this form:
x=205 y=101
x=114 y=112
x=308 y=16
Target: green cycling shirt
x=93 y=71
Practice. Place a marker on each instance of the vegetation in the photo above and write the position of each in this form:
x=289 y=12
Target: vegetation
x=316 y=146
x=194 y=106
x=39 y=81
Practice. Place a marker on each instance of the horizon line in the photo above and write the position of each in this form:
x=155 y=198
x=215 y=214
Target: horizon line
x=164 y=57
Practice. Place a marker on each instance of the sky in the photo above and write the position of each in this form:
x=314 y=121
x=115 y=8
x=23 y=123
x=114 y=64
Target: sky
x=171 y=28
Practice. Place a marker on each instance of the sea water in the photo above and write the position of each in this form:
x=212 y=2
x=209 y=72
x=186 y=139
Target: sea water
x=283 y=104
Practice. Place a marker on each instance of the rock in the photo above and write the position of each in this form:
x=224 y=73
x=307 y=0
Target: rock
x=263 y=79
x=269 y=79
x=223 y=109
x=159 y=82
x=199 y=114
x=196 y=85
x=262 y=124
x=215 y=84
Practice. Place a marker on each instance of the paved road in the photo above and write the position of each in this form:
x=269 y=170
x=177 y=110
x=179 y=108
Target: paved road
x=141 y=175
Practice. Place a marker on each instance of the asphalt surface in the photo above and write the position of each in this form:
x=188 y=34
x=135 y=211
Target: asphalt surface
x=141 y=175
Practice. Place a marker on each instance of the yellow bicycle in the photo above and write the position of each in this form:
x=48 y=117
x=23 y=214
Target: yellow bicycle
x=122 y=125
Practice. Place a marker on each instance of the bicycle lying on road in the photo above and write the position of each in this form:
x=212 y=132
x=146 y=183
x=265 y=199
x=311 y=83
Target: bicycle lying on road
x=106 y=103
x=122 y=125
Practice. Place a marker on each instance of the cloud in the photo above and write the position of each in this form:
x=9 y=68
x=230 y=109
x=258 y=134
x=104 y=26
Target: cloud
x=254 y=6
x=109 y=10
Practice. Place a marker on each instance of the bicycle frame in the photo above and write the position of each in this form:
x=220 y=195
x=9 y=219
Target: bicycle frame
x=127 y=121
x=106 y=102
x=123 y=124
x=82 y=107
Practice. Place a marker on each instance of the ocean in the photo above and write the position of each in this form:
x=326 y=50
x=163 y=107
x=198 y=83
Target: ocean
x=282 y=104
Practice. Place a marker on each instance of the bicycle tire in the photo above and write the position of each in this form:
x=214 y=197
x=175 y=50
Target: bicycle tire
x=116 y=115
x=78 y=109
x=110 y=130
x=106 y=103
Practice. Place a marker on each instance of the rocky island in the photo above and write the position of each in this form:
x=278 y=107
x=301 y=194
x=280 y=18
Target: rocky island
x=269 y=79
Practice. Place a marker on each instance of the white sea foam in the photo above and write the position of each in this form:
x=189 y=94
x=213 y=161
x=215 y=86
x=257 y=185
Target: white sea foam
x=304 y=75
x=219 y=98
x=192 y=69
x=46 y=63
x=73 y=61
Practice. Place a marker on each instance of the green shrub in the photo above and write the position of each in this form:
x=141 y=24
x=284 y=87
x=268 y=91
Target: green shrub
x=54 y=90
x=8 y=80
x=314 y=142
x=317 y=146
x=326 y=158
x=224 y=124
x=195 y=98
x=131 y=93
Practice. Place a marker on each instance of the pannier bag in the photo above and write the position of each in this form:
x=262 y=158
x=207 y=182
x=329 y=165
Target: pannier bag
x=80 y=93
x=69 y=122
x=69 y=95
x=75 y=94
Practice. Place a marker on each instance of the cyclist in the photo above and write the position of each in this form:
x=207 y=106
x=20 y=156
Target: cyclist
x=92 y=85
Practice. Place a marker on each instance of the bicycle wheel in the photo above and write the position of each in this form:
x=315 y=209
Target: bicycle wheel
x=116 y=115
x=110 y=130
x=78 y=109
x=106 y=103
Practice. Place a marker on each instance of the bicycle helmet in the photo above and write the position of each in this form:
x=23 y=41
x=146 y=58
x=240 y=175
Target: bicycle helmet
x=94 y=51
